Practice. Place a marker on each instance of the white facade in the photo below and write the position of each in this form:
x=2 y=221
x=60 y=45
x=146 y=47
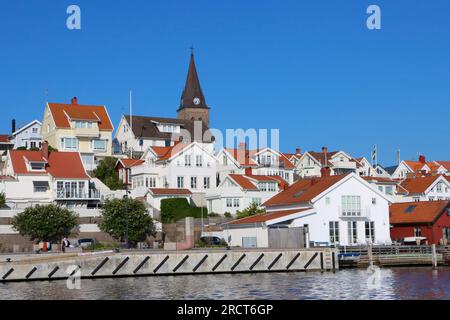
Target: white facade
x=273 y=163
x=193 y=168
x=230 y=197
x=29 y=136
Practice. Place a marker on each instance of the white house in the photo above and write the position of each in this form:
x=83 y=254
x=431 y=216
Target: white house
x=42 y=177
x=182 y=166
x=336 y=210
x=155 y=195
x=273 y=163
x=29 y=136
x=237 y=192
x=339 y=162
x=429 y=188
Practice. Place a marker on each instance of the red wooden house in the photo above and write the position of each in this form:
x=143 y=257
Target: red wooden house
x=429 y=219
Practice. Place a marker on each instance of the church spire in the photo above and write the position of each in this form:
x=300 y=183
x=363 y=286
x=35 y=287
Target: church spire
x=192 y=96
x=193 y=104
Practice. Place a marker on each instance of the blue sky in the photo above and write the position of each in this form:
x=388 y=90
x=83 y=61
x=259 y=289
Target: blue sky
x=310 y=68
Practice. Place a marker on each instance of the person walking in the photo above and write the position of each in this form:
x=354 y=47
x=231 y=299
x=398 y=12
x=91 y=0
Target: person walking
x=65 y=243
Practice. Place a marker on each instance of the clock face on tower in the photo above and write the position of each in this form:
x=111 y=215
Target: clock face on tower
x=196 y=101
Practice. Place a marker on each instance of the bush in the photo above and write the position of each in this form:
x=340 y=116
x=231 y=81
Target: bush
x=101 y=246
x=2 y=200
x=252 y=210
x=213 y=215
x=45 y=223
x=140 y=224
x=227 y=215
x=202 y=244
x=175 y=209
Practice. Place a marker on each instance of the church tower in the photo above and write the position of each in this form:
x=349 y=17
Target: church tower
x=193 y=105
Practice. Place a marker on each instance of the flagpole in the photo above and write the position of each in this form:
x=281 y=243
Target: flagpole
x=131 y=121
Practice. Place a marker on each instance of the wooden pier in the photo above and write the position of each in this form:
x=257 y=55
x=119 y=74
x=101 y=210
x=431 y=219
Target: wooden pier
x=360 y=257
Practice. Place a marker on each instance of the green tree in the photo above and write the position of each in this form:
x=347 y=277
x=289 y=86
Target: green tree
x=2 y=200
x=106 y=172
x=45 y=223
x=252 y=210
x=174 y=209
x=140 y=224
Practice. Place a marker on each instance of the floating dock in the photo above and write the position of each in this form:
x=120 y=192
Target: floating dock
x=163 y=263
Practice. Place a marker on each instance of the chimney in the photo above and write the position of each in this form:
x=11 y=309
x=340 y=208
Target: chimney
x=325 y=172
x=324 y=150
x=248 y=171
x=422 y=159
x=13 y=125
x=44 y=150
x=298 y=151
x=242 y=153
x=74 y=101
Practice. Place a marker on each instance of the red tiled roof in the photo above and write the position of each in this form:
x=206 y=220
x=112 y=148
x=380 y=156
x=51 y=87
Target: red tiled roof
x=418 y=184
x=414 y=165
x=165 y=153
x=242 y=181
x=4 y=138
x=259 y=218
x=64 y=165
x=445 y=164
x=61 y=112
x=129 y=163
x=167 y=191
x=419 y=212
x=303 y=190
x=320 y=156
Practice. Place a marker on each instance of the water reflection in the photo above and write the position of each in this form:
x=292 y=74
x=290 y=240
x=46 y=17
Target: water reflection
x=395 y=283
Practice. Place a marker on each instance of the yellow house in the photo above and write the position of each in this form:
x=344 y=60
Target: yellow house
x=85 y=129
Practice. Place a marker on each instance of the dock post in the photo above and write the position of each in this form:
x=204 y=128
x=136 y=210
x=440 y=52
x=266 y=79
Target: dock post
x=433 y=256
x=370 y=255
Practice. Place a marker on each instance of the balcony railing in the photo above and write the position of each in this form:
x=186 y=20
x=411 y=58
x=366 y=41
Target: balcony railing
x=63 y=194
x=362 y=213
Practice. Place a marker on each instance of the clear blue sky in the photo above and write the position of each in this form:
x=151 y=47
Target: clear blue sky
x=310 y=68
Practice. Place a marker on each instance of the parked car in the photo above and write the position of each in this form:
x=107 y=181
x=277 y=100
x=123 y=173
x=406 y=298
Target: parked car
x=211 y=240
x=85 y=242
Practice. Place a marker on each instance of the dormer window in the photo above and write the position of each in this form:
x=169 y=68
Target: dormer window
x=169 y=128
x=37 y=166
x=83 y=124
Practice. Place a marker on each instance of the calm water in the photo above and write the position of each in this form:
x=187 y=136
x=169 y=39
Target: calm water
x=396 y=283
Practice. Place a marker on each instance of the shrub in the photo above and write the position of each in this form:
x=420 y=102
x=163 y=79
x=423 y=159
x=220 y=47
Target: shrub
x=252 y=210
x=175 y=209
x=227 y=215
x=2 y=200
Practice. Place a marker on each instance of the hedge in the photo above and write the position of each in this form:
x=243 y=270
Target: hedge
x=175 y=209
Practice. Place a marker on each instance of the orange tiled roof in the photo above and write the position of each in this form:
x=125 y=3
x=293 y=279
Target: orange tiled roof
x=259 y=218
x=4 y=138
x=242 y=181
x=416 y=212
x=418 y=184
x=165 y=153
x=167 y=191
x=129 y=163
x=64 y=165
x=414 y=165
x=303 y=190
x=445 y=164
x=61 y=112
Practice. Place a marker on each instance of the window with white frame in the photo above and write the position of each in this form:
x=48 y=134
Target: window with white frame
x=99 y=145
x=439 y=187
x=152 y=182
x=351 y=206
x=193 y=182
x=334 y=232
x=370 y=231
x=180 y=182
x=199 y=160
x=236 y=202
x=37 y=166
x=83 y=124
x=257 y=201
x=352 y=228
x=206 y=182
x=229 y=203
x=187 y=160
x=69 y=143
x=389 y=190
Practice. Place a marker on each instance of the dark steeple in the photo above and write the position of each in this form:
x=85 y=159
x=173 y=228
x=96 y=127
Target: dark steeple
x=193 y=104
x=192 y=96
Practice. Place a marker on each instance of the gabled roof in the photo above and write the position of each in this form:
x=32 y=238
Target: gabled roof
x=418 y=184
x=61 y=114
x=260 y=218
x=169 y=192
x=414 y=165
x=243 y=182
x=27 y=126
x=4 y=138
x=321 y=158
x=242 y=157
x=249 y=182
x=129 y=163
x=147 y=128
x=63 y=165
x=416 y=212
x=390 y=169
x=445 y=164
x=166 y=153
x=304 y=190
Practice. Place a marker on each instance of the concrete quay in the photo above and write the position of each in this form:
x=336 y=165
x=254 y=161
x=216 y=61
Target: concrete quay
x=163 y=263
